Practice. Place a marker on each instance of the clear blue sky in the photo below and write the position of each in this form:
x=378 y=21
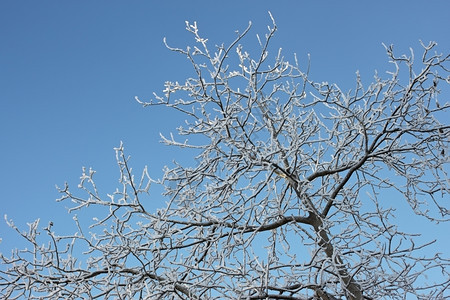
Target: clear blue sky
x=69 y=71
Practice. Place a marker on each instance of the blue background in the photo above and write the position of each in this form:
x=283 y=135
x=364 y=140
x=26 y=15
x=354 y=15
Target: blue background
x=69 y=71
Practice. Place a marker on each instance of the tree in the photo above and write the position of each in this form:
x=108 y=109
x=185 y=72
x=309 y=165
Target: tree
x=291 y=197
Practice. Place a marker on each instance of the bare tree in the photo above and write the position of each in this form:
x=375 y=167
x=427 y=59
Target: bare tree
x=292 y=196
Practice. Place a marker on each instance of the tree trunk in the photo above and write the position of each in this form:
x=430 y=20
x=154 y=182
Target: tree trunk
x=352 y=288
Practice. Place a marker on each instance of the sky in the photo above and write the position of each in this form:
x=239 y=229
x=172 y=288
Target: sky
x=69 y=72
